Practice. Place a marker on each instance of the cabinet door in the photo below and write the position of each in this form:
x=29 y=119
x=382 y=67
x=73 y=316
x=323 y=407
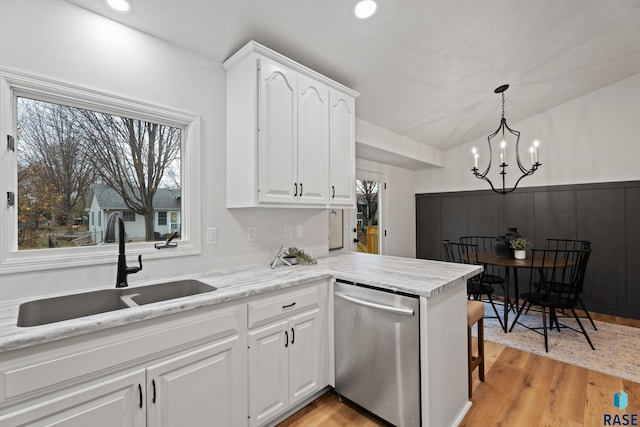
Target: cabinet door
x=304 y=355
x=313 y=141
x=277 y=133
x=342 y=157
x=268 y=372
x=115 y=402
x=200 y=387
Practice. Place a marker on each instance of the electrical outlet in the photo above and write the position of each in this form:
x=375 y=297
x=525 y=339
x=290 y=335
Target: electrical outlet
x=251 y=234
x=212 y=236
x=288 y=233
x=299 y=231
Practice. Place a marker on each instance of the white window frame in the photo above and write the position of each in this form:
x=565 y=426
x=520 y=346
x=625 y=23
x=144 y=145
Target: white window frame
x=14 y=84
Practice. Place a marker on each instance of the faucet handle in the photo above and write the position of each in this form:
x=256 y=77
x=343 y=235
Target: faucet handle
x=133 y=270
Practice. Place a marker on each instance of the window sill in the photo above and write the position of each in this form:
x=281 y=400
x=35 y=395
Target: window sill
x=36 y=260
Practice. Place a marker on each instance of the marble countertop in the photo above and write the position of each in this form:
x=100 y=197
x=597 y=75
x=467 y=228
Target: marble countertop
x=421 y=277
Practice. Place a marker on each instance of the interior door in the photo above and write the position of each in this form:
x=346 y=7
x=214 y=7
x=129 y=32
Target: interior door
x=365 y=224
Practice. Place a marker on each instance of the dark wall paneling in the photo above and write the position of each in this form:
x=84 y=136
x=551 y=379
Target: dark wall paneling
x=453 y=217
x=596 y=223
x=481 y=214
x=428 y=222
x=555 y=216
x=632 y=201
x=514 y=210
x=607 y=214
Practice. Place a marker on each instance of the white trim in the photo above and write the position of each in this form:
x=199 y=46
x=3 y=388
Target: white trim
x=14 y=83
x=256 y=47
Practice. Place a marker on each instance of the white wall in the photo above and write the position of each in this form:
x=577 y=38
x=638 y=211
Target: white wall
x=59 y=41
x=595 y=138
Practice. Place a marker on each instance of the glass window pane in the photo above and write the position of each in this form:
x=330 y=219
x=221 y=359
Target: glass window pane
x=74 y=164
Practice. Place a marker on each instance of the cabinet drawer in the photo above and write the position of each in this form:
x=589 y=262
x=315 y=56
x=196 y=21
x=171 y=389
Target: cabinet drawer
x=268 y=309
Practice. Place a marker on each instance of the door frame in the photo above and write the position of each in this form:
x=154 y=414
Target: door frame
x=381 y=178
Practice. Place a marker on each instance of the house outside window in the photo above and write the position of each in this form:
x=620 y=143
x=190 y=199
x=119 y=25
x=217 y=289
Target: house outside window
x=129 y=216
x=25 y=98
x=162 y=218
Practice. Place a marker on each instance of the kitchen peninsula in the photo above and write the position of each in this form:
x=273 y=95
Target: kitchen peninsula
x=134 y=352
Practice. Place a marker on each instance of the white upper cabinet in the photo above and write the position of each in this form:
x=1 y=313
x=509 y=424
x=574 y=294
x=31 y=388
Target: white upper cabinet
x=313 y=141
x=342 y=151
x=281 y=122
x=277 y=133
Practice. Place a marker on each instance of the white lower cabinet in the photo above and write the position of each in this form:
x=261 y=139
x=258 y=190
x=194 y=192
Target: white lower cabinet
x=118 y=401
x=197 y=388
x=234 y=365
x=288 y=356
x=189 y=371
x=284 y=365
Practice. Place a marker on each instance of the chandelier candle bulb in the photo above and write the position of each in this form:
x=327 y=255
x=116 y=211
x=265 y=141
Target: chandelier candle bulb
x=531 y=153
x=535 y=150
x=503 y=145
x=475 y=157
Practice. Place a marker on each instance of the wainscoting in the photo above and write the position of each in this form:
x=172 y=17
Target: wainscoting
x=607 y=214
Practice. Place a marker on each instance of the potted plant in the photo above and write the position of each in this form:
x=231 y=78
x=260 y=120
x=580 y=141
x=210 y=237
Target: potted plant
x=519 y=246
x=298 y=256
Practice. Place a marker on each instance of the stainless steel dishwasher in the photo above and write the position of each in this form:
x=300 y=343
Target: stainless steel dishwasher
x=377 y=351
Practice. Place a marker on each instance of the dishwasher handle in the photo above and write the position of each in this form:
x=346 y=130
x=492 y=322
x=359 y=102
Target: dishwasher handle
x=383 y=307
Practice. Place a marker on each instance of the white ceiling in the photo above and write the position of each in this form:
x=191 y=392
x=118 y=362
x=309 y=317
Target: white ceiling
x=425 y=69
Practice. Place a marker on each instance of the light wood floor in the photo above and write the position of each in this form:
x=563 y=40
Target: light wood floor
x=520 y=389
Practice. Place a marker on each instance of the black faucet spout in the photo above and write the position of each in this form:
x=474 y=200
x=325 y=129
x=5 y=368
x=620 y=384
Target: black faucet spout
x=110 y=237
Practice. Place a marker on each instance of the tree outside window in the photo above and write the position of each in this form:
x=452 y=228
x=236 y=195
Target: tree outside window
x=63 y=151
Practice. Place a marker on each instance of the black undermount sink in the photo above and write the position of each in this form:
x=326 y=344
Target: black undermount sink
x=51 y=310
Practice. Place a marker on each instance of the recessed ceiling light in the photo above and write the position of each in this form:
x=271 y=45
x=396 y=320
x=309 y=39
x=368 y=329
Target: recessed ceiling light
x=365 y=8
x=122 y=6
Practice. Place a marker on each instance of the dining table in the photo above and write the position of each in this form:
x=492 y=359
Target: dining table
x=537 y=262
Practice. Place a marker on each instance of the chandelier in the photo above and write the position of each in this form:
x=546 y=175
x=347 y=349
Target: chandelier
x=502 y=131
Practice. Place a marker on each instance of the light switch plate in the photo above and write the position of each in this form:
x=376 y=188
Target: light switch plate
x=251 y=234
x=288 y=233
x=299 y=231
x=212 y=236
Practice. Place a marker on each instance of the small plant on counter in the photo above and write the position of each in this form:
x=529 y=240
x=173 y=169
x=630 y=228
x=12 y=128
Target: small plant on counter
x=519 y=244
x=301 y=255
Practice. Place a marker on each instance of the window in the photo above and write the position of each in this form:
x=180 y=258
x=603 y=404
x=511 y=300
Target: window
x=87 y=125
x=129 y=216
x=162 y=218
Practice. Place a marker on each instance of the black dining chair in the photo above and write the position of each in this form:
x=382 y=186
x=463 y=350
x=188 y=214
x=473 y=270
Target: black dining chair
x=477 y=288
x=555 y=286
x=572 y=244
x=493 y=275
